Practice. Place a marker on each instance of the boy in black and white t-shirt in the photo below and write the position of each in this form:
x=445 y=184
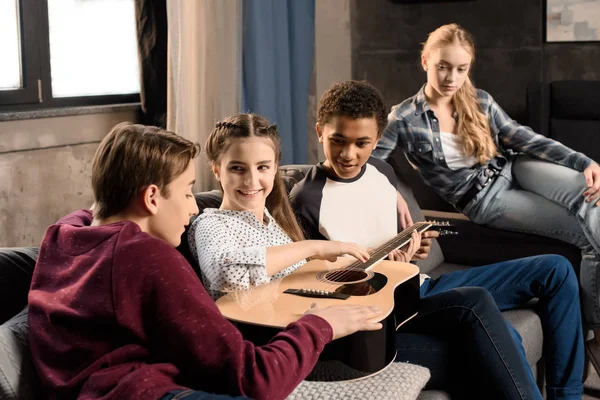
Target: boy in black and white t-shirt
x=353 y=197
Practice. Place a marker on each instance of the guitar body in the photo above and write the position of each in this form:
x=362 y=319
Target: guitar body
x=264 y=310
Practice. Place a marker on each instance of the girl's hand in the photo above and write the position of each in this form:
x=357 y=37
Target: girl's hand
x=329 y=250
x=592 y=178
x=406 y=253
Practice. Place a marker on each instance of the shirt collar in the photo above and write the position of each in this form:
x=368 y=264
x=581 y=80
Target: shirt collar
x=420 y=102
x=249 y=215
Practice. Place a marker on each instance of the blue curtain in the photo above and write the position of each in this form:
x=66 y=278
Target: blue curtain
x=277 y=58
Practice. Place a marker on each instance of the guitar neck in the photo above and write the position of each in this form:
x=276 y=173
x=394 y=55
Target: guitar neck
x=380 y=252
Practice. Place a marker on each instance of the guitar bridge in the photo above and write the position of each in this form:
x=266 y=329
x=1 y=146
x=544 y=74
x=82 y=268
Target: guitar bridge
x=318 y=294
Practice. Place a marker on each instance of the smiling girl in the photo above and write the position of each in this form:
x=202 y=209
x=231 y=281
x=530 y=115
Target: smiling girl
x=253 y=237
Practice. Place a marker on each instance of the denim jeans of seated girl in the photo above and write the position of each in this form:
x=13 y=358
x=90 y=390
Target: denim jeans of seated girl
x=534 y=196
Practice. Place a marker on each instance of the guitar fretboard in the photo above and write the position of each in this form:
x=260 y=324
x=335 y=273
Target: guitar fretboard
x=397 y=241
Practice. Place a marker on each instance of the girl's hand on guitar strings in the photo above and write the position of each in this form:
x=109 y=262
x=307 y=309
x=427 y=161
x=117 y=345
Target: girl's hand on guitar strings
x=406 y=253
x=330 y=250
x=347 y=319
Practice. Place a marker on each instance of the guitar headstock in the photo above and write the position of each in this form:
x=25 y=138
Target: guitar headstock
x=443 y=227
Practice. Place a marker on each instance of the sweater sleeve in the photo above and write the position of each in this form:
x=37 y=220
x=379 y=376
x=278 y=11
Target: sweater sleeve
x=225 y=266
x=158 y=295
x=521 y=138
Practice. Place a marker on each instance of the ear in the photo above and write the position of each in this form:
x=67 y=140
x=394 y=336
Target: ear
x=151 y=199
x=377 y=141
x=424 y=62
x=319 y=130
x=215 y=170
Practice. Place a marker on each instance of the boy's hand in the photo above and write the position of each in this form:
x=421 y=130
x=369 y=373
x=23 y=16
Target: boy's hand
x=404 y=213
x=423 y=251
x=329 y=250
x=406 y=253
x=347 y=319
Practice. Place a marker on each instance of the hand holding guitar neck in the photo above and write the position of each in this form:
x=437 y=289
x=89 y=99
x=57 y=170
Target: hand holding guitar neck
x=406 y=253
x=347 y=319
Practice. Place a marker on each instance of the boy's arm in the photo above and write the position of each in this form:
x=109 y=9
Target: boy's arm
x=426 y=237
x=403 y=213
x=183 y=326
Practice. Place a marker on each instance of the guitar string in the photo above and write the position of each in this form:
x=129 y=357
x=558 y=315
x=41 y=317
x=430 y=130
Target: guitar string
x=377 y=254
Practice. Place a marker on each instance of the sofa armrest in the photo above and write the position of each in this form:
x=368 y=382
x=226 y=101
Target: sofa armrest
x=479 y=245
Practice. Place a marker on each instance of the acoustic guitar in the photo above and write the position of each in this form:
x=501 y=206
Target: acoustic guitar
x=392 y=286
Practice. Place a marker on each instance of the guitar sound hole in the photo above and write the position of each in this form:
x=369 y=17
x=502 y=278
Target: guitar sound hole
x=346 y=276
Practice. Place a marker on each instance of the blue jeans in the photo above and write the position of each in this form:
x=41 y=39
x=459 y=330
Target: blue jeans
x=464 y=340
x=551 y=279
x=542 y=198
x=197 y=395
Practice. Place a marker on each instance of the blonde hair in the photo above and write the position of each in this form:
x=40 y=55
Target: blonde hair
x=473 y=126
x=247 y=125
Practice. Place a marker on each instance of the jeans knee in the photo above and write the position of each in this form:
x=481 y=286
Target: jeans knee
x=477 y=296
x=562 y=270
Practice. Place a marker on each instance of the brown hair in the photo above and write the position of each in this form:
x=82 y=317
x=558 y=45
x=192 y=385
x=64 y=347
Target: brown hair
x=248 y=125
x=473 y=126
x=132 y=157
x=352 y=99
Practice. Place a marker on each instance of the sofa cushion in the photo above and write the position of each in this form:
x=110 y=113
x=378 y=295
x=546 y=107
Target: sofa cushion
x=211 y=199
x=401 y=381
x=581 y=135
x=575 y=100
x=567 y=111
x=16 y=270
x=528 y=324
x=292 y=174
x=433 y=395
x=18 y=378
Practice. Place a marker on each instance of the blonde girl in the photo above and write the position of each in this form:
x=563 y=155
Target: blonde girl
x=492 y=169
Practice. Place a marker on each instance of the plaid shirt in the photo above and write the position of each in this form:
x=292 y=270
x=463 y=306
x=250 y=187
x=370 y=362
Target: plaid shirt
x=412 y=125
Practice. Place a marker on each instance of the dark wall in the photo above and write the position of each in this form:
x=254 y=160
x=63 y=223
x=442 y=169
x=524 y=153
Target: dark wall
x=509 y=36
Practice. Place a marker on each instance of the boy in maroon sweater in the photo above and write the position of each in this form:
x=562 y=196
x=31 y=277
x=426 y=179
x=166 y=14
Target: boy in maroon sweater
x=115 y=312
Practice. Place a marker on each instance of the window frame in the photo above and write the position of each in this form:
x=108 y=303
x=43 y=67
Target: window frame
x=36 y=92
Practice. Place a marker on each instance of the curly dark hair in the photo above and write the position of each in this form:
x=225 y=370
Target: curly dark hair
x=353 y=99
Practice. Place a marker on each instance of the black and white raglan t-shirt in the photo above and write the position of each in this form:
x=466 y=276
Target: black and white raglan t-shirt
x=362 y=210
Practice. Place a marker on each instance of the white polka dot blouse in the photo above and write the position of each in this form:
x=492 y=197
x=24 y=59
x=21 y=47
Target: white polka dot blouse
x=231 y=247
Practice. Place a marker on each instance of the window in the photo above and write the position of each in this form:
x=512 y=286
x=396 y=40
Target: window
x=67 y=53
x=10 y=68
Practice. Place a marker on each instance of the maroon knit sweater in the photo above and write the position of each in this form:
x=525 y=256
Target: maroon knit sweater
x=117 y=314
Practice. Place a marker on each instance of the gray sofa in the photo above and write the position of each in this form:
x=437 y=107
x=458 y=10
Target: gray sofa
x=475 y=245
